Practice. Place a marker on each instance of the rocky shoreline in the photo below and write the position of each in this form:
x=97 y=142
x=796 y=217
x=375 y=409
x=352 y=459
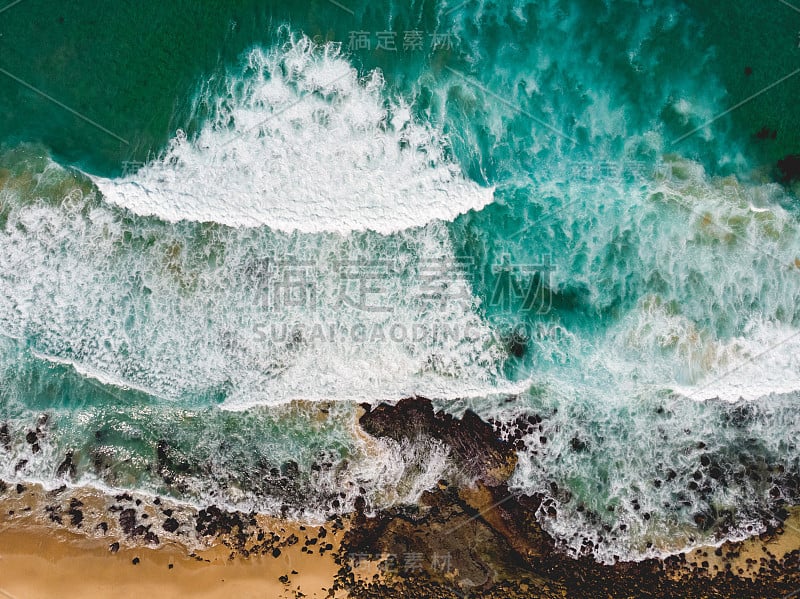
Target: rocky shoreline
x=498 y=549
x=466 y=538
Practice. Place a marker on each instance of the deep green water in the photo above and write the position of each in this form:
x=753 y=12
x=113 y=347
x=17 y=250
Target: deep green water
x=257 y=203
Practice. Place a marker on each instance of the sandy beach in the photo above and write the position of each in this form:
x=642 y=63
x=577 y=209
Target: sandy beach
x=38 y=563
x=39 y=560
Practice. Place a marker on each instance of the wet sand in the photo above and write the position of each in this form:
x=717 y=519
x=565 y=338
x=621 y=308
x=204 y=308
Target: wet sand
x=747 y=558
x=42 y=563
x=49 y=559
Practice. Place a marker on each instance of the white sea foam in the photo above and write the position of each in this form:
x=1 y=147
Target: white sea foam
x=719 y=260
x=764 y=362
x=96 y=374
x=256 y=316
x=708 y=271
x=724 y=329
x=656 y=349
x=299 y=142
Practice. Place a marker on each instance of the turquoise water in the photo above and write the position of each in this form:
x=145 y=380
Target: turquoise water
x=516 y=207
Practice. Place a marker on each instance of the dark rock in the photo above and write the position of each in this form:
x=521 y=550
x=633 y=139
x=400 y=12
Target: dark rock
x=5 y=437
x=54 y=513
x=42 y=422
x=170 y=525
x=789 y=168
x=76 y=517
x=58 y=491
x=476 y=448
x=517 y=344
x=213 y=521
x=161 y=452
x=66 y=468
x=577 y=444
x=477 y=451
x=127 y=520
x=290 y=469
x=766 y=133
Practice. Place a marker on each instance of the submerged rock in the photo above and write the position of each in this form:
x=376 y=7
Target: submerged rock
x=789 y=168
x=475 y=447
x=5 y=437
x=477 y=450
x=480 y=540
x=67 y=467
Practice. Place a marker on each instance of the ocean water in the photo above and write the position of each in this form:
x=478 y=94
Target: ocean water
x=224 y=225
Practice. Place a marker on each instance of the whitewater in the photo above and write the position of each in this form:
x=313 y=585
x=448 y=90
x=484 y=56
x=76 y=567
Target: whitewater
x=517 y=234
